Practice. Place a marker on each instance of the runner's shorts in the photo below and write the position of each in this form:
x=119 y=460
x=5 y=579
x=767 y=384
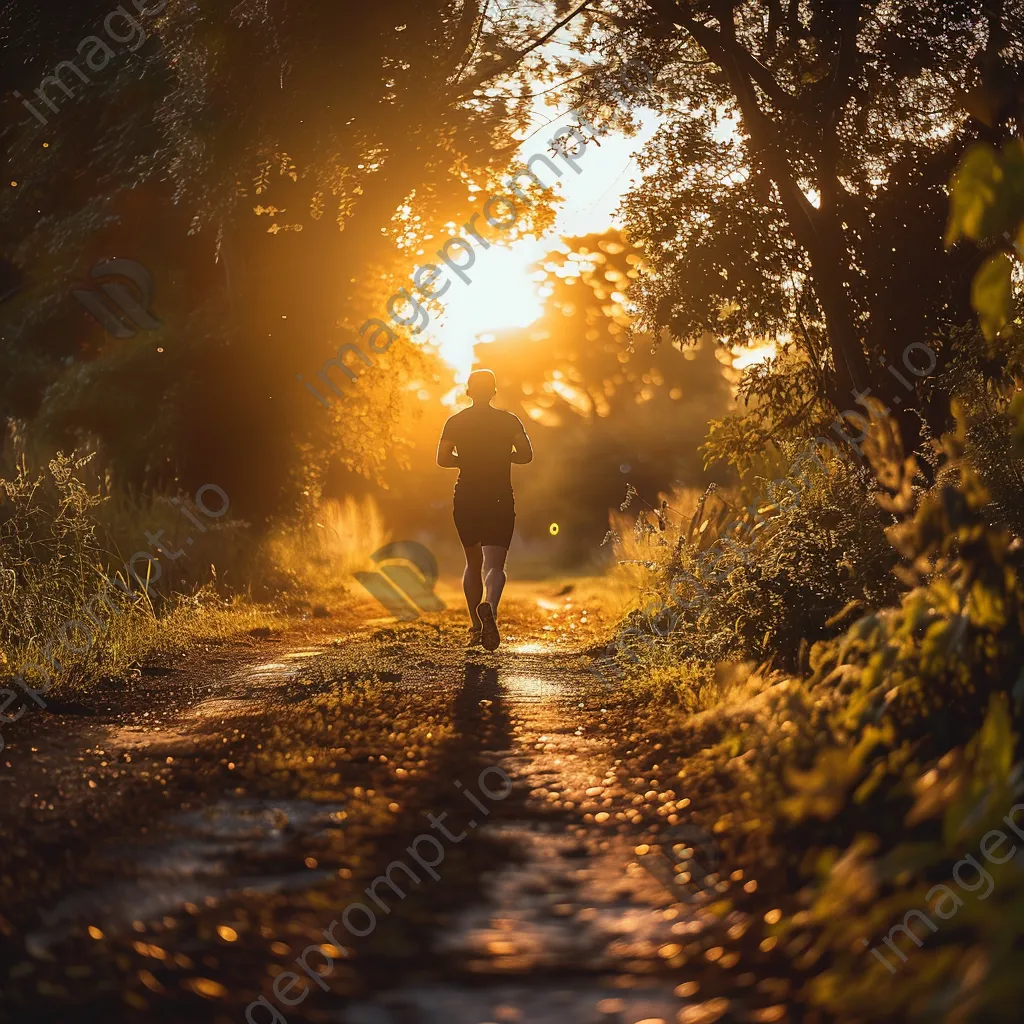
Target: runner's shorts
x=485 y=520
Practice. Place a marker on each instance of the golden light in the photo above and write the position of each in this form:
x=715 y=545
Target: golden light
x=500 y=295
x=758 y=352
x=553 y=529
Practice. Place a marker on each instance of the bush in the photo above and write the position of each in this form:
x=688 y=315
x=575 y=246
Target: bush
x=770 y=579
x=57 y=605
x=912 y=745
x=851 y=795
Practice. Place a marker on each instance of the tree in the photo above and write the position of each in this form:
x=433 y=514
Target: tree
x=276 y=167
x=797 y=183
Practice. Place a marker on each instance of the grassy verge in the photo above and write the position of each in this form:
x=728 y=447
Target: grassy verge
x=68 y=614
x=856 y=785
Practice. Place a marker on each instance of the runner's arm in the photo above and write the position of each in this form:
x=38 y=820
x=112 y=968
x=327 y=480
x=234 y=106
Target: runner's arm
x=522 y=453
x=446 y=457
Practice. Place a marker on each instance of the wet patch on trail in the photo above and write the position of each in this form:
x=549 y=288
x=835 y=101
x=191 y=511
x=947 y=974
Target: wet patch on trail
x=197 y=856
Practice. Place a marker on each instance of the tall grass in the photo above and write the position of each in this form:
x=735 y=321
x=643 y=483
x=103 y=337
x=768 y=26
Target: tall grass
x=220 y=551
x=723 y=579
x=57 y=604
x=322 y=552
x=70 y=612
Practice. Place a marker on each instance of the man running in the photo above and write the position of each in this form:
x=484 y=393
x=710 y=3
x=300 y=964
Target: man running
x=482 y=443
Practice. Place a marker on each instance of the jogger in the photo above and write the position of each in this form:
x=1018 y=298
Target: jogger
x=482 y=443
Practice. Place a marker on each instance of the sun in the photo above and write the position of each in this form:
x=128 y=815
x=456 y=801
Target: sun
x=500 y=295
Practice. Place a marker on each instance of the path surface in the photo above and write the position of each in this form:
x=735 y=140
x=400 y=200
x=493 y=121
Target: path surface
x=566 y=931
x=176 y=866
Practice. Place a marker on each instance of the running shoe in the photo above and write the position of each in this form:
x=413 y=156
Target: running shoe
x=490 y=635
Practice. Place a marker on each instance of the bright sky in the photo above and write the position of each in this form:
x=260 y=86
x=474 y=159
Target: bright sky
x=501 y=293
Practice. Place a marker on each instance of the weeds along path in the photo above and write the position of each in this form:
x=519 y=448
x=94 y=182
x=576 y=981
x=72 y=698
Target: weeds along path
x=217 y=882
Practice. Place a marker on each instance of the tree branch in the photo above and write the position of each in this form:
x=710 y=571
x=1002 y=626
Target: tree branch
x=834 y=98
x=774 y=23
x=516 y=57
x=721 y=47
x=477 y=22
x=557 y=27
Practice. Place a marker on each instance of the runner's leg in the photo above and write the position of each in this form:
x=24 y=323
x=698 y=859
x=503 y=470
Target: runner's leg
x=472 y=584
x=494 y=574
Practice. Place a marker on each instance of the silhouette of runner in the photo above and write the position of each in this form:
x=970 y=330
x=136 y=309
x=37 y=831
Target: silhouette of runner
x=482 y=443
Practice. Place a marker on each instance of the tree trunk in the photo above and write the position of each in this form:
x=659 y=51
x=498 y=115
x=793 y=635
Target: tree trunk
x=819 y=234
x=829 y=265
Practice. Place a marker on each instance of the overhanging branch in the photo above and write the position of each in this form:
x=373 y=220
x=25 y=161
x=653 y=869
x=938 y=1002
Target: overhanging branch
x=516 y=57
x=720 y=47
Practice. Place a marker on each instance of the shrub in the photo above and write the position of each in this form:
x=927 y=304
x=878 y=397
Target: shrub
x=53 y=584
x=768 y=580
x=851 y=794
x=912 y=748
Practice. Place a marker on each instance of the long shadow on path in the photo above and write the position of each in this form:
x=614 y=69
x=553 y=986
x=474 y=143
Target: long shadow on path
x=555 y=923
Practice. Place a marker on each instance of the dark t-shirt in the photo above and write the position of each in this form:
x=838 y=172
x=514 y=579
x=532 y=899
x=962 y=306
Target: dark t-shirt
x=483 y=440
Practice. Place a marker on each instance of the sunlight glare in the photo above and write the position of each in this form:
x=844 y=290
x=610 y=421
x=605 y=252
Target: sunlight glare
x=758 y=352
x=500 y=295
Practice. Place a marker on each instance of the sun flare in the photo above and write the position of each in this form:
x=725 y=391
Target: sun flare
x=500 y=295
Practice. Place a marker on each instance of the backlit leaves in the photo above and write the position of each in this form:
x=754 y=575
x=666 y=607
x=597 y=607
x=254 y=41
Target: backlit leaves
x=992 y=294
x=974 y=193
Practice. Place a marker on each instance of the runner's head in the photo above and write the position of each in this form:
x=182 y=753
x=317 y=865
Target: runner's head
x=481 y=386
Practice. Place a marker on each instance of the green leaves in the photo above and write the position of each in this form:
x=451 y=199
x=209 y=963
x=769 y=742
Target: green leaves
x=987 y=201
x=985 y=785
x=975 y=189
x=992 y=294
x=987 y=193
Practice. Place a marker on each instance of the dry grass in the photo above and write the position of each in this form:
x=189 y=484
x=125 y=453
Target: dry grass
x=68 y=614
x=640 y=547
x=338 y=539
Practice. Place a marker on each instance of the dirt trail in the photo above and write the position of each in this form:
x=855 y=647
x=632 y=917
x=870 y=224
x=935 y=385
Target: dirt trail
x=570 y=928
x=228 y=834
